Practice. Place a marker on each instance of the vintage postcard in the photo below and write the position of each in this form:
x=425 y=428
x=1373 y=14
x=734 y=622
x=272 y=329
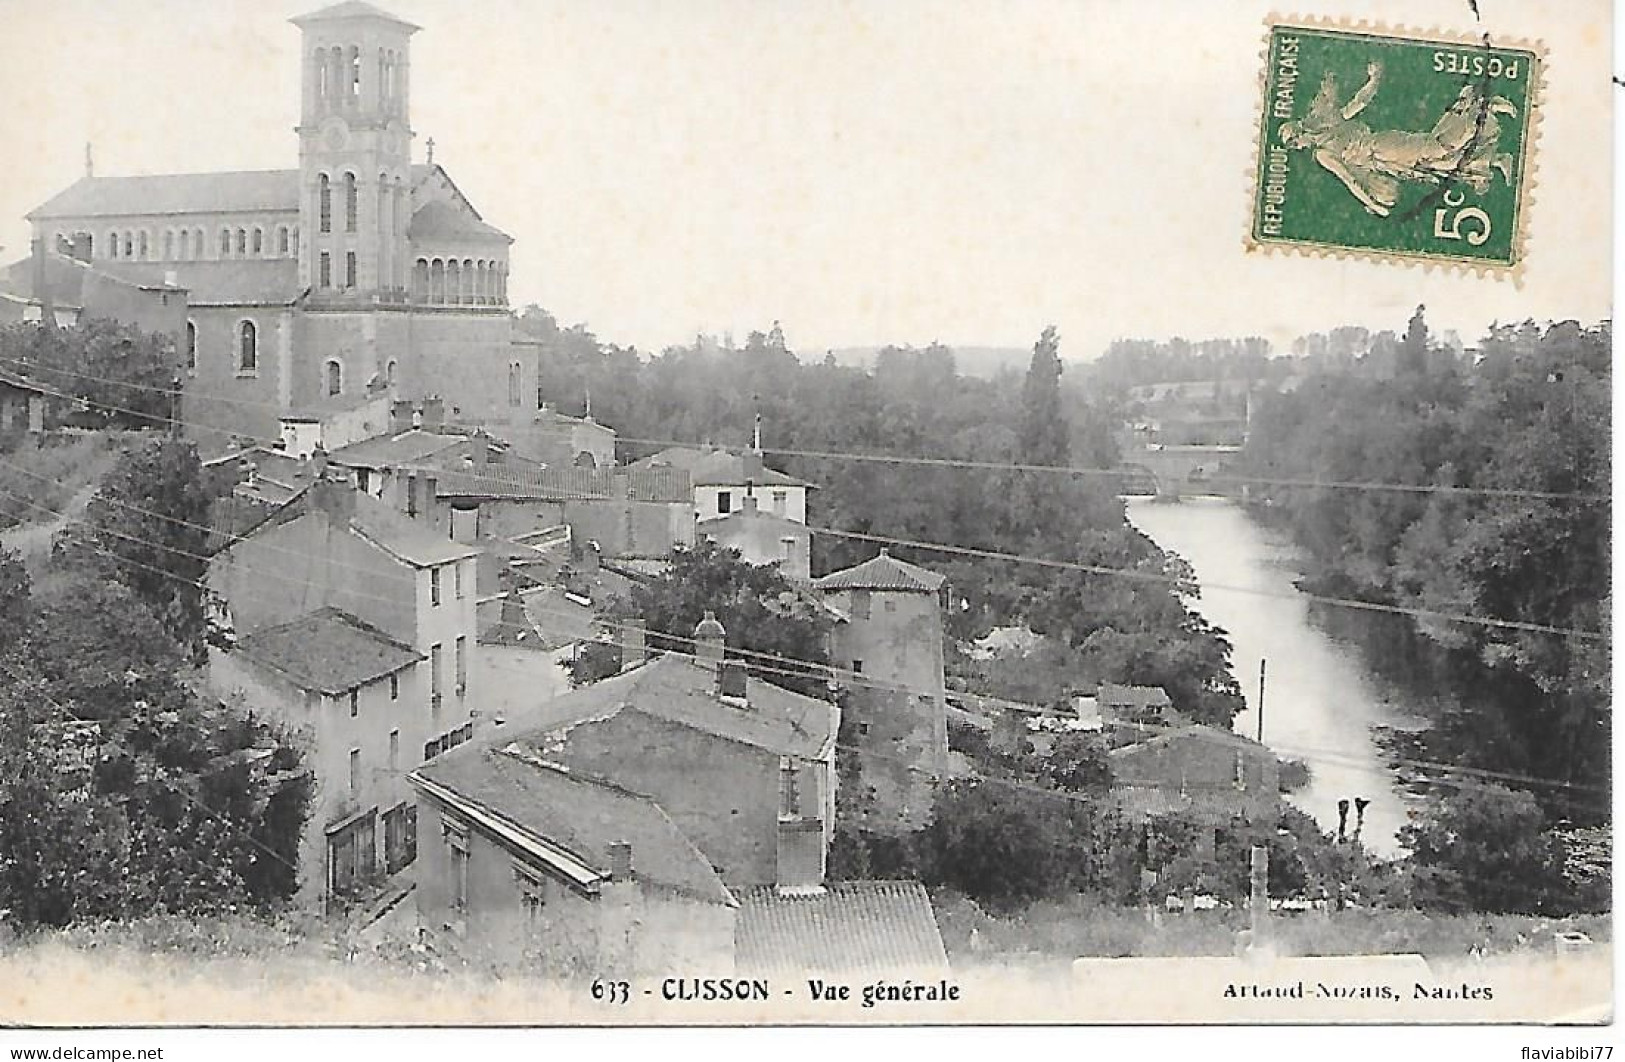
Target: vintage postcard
x=544 y=513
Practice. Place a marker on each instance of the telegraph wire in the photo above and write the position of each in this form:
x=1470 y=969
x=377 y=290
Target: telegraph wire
x=891 y=459
x=806 y=669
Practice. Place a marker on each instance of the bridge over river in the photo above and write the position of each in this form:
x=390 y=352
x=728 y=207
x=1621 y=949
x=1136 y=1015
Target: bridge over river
x=1171 y=471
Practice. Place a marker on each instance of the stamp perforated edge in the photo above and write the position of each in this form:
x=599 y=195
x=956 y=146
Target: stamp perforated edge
x=1527 y=184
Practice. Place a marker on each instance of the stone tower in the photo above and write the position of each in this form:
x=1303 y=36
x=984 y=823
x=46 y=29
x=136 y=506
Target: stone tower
x=890 y=646
x=355 y=142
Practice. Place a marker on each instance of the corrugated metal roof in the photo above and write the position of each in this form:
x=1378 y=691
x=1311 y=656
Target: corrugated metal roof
x=867 y=927
x=883 y=572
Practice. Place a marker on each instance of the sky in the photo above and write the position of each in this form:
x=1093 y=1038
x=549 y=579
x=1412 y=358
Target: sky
x=864 y=173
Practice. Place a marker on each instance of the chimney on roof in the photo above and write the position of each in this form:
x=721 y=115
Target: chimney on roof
x=42 y=282
x=422 y=486
x=731 y=684
x=479 y=449
x=434 y=414
x=400 y=416
x=253 y=477
x=801 y=852
x=620 y=860
x=709 y=639
x=318 y=463
x=634 y=645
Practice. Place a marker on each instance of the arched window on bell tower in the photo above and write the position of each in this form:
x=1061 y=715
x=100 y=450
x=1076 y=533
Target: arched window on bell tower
x=325 y=203
x=352 y=75
x=351 y=203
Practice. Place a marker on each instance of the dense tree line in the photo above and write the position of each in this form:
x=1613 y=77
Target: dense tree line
x=914 y=403
x=124 y=789
x=122 y=376
x=1530 y=415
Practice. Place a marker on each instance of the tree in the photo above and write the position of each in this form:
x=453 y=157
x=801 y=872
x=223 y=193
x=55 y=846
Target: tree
x=148 y=527
x=1484 y=848
x=773 y=628
x=1078 y=763
x=124 y=375
x=16 y=606
x=1413 y=351
x=1044 y=432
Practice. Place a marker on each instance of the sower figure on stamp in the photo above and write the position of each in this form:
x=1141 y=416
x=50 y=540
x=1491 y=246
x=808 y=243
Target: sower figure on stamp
x=1462 y=145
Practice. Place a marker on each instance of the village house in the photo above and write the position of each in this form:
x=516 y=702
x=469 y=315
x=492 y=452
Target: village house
x=723 y=480
x=681 y=790
x=762 y=538
x=888 y=652
x=22 y=404
x=335 y=573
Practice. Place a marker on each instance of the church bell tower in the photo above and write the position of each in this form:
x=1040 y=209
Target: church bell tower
x=355 y=143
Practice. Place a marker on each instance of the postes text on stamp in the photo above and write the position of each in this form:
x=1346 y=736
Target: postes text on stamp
x=1394 y=146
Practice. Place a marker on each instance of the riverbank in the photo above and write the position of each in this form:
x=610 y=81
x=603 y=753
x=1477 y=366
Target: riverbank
x=1321 y=703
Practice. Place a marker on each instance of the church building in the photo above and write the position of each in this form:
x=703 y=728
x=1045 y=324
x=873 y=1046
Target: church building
x=308 y=290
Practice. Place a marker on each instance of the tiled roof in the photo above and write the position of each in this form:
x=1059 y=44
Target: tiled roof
x=867 y=927
x=675 y=688
x=231 y=517
x=1112 y=695
x=228 y=282
x=175 y=193
x=581 y=816
x=717 y=468
x=328 y=651
x=403 y=537
x=883 y=572
x=440 y=220
x=226 y=192
x=569 y=483
x=391 y=451
x=739 y=517
x=349 y=9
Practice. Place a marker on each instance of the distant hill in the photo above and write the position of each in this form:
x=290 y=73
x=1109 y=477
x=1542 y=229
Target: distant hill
x=970 y=361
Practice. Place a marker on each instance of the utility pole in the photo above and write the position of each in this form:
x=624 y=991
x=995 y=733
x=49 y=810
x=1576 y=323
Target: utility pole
x=1260 y=902
x=1262 y=665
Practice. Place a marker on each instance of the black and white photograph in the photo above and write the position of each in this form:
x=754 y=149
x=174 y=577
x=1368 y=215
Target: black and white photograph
x=545 y=513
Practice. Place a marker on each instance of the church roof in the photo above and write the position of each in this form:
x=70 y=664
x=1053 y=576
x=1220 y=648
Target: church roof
x=224 y=282
x=350 y=9
x=228 y=192
x=883 y=572
x=440 y=220
x=174 y=193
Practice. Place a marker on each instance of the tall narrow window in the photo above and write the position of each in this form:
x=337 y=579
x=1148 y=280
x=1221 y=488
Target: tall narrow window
x=335 y=377
x=248 y=348
x=350 y=203
x=389 y=372
x=169 y=246
x=324 y=203
x=462 y=664
x=355 y=770
x=394 y=750
x=112 y=245
x=434 y=586
x=225 y=243
x=282 y=240
x=141 y=246
x=354 y=74
x=293 y=240
x=324 y=271
x=355 y=703
x=395 y=687
x=191 y=344
x=242 y=241
x=324 y=85
x=349 y=269
x=259 y=241
x=515 y=388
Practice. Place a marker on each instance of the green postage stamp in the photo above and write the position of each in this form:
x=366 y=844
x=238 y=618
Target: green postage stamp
x=1395 y=146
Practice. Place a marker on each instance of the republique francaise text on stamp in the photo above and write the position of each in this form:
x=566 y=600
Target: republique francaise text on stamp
x=1395 y=147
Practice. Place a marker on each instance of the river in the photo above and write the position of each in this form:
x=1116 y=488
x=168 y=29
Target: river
x=1321 y=703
